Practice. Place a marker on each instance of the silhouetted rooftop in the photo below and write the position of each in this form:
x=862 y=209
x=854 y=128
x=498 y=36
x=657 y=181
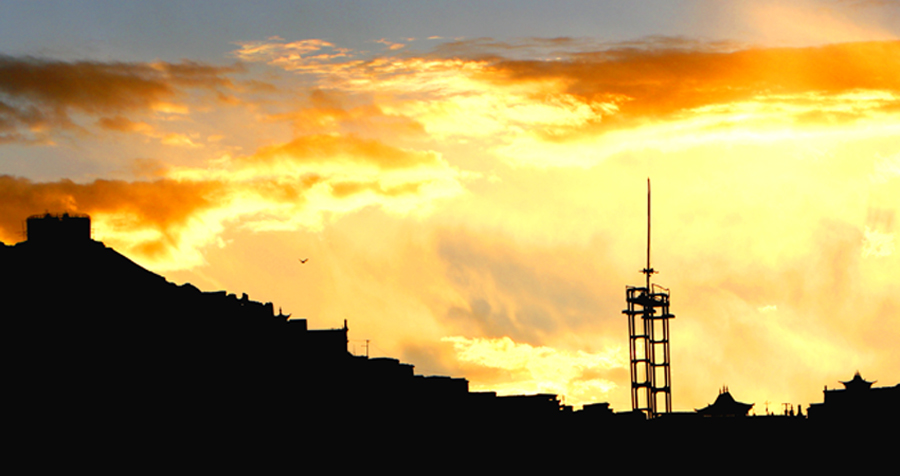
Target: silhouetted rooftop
x=726 y=406
x=857 y=383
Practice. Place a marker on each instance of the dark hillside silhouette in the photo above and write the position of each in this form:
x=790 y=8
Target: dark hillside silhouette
x=102 y=342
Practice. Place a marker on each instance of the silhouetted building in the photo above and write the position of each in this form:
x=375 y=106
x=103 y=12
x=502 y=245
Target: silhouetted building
x=59 y=229
x=857 y=383
x=725 y=406
x=858 y=401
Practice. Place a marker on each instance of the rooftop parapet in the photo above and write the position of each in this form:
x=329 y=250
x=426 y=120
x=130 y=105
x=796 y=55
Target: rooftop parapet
x=55 y=228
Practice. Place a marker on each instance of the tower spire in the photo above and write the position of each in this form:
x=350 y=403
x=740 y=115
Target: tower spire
x=648 y=270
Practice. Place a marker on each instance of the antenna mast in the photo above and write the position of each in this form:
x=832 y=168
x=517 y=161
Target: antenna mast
x=649 y=342
x=648 y=270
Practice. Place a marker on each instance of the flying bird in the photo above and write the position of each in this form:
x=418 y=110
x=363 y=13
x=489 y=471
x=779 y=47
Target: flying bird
x=303 y=260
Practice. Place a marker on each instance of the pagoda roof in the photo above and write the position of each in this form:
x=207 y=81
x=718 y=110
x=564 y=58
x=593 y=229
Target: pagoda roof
x=726 y=405
x=857 y=383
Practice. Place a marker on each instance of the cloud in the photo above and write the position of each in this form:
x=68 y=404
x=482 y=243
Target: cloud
x=334 y=111
x=661 y=82
x=321 y=150
x=167 y=222
x=581 y=377
x=589 y=100
x=393 y=46
x=525 y=292
x=877 y=243
x=148 y=219
x=886 y=168
x=123 y=124
x=180 y=140
x=569 y=49
x=310 y=55
x=807 y=22
x=39 y=96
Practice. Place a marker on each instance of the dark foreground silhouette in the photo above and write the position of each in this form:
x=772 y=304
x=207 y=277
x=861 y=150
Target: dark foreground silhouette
x=103 y=352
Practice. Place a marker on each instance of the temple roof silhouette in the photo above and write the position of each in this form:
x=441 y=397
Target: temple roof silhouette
x=857 y=383
x=726 y=406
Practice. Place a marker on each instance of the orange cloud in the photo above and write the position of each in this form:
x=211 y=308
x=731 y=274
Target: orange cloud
x=312 y=55
x=168 y=221
x=659 y=76
x=39 y=94
x=333 y=111
x=330 y=149
x=161 y=208
x=667 y=91
x=343 y=189
x=390 y=44
x=660 y=83
x=123 y=124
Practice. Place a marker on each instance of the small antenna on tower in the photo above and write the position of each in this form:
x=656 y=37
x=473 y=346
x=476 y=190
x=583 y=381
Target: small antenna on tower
x=648 y=270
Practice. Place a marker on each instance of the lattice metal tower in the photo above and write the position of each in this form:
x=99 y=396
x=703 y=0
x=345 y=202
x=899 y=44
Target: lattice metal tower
x=648 y=340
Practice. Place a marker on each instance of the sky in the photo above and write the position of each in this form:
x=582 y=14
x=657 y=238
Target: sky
x=468 y=179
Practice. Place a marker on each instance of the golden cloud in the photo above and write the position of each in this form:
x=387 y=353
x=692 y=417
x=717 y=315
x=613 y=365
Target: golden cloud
x=160 y=211
x=349 y=149
x=564 y=111
x=581 y=377
x=168 y=221
x=123 y=124
x=334 y=111
x=311 y=55
x=661 y=83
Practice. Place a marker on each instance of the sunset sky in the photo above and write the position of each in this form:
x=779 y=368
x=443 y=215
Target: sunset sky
x=468 y=179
